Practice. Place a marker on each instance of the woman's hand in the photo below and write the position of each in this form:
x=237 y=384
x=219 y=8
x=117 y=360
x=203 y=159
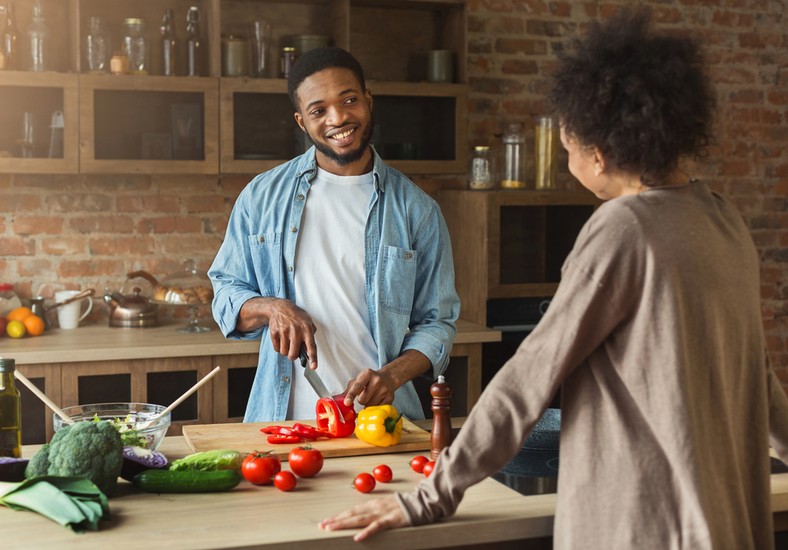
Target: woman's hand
x=375 y=516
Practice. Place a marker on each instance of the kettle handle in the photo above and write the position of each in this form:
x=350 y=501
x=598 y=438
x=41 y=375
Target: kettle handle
x=145 y=275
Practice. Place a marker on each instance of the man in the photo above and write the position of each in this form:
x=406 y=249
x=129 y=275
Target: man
x=339 y=253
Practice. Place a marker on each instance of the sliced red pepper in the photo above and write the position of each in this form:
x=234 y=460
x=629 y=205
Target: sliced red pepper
x=308 y=432
x=276 y=439
x=270 y=429
x=328 y=419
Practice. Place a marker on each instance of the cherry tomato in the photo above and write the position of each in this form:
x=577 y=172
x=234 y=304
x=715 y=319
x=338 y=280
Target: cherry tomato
x=428 y=467
x=364 y=483
x=259 y=468
x=417 y=463
x=305 y=461
x=285 y=481
x=382 y=473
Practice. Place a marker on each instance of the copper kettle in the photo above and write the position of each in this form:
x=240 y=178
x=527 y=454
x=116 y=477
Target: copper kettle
x=132 y=310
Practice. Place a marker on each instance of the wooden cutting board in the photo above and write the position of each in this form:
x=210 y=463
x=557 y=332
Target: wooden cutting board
x=246 y=437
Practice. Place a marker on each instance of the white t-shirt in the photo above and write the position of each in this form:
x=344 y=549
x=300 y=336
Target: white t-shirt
x=330 y=285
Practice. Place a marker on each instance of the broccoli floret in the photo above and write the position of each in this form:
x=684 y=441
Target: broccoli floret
x=92 y=450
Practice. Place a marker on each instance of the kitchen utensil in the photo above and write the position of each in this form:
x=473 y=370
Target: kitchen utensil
x=133 y=421
x=189 y=287
x=133 y=310
x=82 y=295
x=316 y=382
x=187 y=393
x=246 y=436
x=69 y=313
x=47 y=401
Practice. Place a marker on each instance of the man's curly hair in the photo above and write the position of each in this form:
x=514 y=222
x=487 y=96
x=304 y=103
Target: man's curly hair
x=642 y=98
x=317 y=60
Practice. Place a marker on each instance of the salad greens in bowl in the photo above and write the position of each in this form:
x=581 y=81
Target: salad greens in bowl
x=132 y=420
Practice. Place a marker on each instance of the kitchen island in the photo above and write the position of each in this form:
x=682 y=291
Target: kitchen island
x=490 y=516
x=96 y=363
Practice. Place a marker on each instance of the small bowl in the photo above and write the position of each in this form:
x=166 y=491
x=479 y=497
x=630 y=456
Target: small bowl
x=125 y=416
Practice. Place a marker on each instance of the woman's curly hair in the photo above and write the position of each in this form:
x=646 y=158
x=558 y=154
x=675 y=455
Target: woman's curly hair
x=642 y=98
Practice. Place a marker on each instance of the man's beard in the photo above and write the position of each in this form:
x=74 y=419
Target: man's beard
x=352 y=156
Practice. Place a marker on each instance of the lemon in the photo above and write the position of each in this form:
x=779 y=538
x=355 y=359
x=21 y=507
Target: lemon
x=15 y=329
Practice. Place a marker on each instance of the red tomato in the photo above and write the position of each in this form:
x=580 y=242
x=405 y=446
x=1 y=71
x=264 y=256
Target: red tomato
x=382 y=473
x=285 y=481
x=428 y=467
x=417 y=463
x=260 y=468
x=305 y=461
x=364 y=483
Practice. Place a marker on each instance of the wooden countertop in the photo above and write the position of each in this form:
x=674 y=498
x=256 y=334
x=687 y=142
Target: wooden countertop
x=94 y=342
x=263 y=517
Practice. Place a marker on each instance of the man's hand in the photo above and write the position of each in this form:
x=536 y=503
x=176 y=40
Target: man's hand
x=371 y=387
x=375 y=516
x=289 y=325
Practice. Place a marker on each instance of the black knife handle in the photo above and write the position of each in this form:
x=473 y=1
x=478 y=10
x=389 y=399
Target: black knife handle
x=303 y=356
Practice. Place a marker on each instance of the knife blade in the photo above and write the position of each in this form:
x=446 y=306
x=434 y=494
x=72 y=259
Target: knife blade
x=316 y=382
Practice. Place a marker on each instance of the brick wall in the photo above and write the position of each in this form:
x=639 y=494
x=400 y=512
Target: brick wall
x=510 y=49
x=90 y=230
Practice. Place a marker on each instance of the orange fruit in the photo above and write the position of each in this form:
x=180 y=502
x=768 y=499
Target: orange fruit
x=34 y=325
x=19 y=314
x=15 y=329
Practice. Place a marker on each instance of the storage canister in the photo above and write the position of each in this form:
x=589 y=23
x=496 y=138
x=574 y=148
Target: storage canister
x=481 y=172
x=135 y=45
x=513 y=157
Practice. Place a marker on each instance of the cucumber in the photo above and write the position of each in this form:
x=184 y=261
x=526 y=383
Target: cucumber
x=168 y=481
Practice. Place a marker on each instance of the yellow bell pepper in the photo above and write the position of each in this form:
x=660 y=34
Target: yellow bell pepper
x=380 y=425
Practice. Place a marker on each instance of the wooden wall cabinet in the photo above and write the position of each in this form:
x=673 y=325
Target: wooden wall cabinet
x=141 y=124
x=510 y=244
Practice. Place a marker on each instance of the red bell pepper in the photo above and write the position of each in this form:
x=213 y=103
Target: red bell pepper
x=308 y=432
x=276 y=439
x=328 y=419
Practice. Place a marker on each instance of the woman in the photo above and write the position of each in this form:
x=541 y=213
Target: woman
x=654 y=334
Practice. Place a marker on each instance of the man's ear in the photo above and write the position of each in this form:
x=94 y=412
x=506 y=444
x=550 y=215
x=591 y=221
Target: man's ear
x=299 y=120
x=599 y=161
x=368 y=93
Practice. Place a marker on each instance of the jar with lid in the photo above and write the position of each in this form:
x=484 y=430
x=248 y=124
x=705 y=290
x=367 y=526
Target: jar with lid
x=286 y=63
x=513 y=176
x=8 y=299
x=481 y=172
x=97 y=46
x=10 y=412
x=135 y=45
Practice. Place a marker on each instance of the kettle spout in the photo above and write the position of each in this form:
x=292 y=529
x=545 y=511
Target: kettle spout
x=113 y=299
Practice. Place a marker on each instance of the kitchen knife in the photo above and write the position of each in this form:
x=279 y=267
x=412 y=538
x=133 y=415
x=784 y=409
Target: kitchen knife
x=316 y=382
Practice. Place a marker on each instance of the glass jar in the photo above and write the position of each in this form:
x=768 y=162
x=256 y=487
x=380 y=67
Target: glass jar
x=97 y=46
x=286 y=63
x=513 y=176
x=10 y=36
x=545 y=153
x=481 y=173
x=235 y=55
x=8 y=299
x=135 y=45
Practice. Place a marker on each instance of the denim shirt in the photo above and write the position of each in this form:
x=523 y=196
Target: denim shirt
x=410 y=294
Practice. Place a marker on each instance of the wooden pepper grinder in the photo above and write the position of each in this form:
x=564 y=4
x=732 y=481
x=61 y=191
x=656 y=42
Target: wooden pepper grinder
x=441 y=418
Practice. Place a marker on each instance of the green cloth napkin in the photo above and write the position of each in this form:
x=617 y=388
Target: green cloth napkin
x=73 y=502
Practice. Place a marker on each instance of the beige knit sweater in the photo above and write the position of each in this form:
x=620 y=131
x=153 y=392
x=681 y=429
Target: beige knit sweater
x=668 y=399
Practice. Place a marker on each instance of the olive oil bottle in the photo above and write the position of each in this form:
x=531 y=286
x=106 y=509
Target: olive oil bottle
x=10 y=412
